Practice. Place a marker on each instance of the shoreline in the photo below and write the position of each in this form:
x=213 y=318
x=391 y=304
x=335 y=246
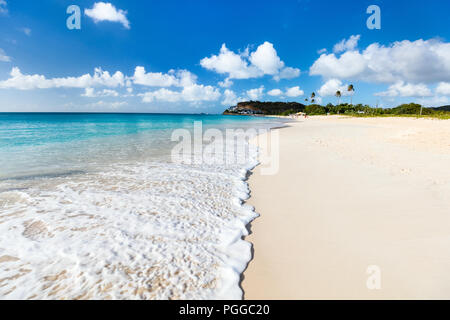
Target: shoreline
x=351 y=193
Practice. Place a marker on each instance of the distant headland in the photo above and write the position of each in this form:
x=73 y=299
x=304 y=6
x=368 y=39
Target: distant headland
x=265 y=108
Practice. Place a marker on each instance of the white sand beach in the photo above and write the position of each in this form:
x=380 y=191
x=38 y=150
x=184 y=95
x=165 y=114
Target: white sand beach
x=352 y=193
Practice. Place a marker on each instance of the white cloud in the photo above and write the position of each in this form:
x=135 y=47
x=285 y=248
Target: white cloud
x=294 y=92
x=266 y=59
x=226 y=83
x=290 y=92
x=263 y=61
x=193 y=93
x=105 y=11
x=179 y=78
x=91 y=93
x=409 y=61
x=198 y=92
x=21 y=81
x=322 y=51
x=255 y=94
x=287 y=73
x=401 y=89
x=443 y=88
x=230 y=98
x=190 y=91
x=162 y=94
x=275 y=92
x=346 y=45
x=350 y=65
x=435 y=101
x=233 y=64
x=3 y=56
x=3 y=6
x=330 y=88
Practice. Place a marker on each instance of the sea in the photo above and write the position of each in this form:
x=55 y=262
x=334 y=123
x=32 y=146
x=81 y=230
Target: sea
x=93 y=206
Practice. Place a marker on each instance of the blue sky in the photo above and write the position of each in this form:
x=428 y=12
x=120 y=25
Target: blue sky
x=166 y=56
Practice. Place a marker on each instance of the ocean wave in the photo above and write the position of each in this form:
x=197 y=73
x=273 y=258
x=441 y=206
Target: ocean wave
x=141 y=230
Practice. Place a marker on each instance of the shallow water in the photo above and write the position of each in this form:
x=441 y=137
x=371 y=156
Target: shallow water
x=92 y=207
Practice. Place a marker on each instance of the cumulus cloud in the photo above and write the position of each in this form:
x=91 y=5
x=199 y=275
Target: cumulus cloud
x=226 y=83
x=435 y=101
x=402 y=89
x=255 y=94
x=275 y=92
x=266 y=59
x=421 y=61
x=3 y=7
x=347 y=44
x=330 y=88
x=443 y=88
x=351 y=64
x=21 y=81
x=425 y=61
x=3 y=56
x=191 y=93
x=234 y=65
x=287 y=73
x=105 y=11
x=294 y=92
x=290 y=92
x=263 y=61
x=230 y=98
x=180 y=78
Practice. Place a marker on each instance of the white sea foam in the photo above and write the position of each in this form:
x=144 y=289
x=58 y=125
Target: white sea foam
x=144 y=230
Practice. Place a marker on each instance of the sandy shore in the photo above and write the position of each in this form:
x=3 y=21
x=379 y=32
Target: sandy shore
x=353 y=193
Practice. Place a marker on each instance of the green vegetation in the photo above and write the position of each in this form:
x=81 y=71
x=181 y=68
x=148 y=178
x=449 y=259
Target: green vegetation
x=358 y=110
x=411 y=109
x=288 y=112
x=315 y=109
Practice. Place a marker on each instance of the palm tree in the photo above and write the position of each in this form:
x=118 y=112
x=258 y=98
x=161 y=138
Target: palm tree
x=351 y=89
x=338 y=95
x=313 y=96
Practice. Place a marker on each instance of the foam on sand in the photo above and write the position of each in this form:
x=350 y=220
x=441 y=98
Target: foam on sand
x=143 y=230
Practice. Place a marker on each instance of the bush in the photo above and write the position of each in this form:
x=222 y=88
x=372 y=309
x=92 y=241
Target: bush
x=315 y=109
x=287 y=112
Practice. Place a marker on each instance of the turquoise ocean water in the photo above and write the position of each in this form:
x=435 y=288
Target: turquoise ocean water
x=57 y=143
x=92 y=207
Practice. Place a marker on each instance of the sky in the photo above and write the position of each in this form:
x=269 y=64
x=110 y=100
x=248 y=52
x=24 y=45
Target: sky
x=204 y=56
